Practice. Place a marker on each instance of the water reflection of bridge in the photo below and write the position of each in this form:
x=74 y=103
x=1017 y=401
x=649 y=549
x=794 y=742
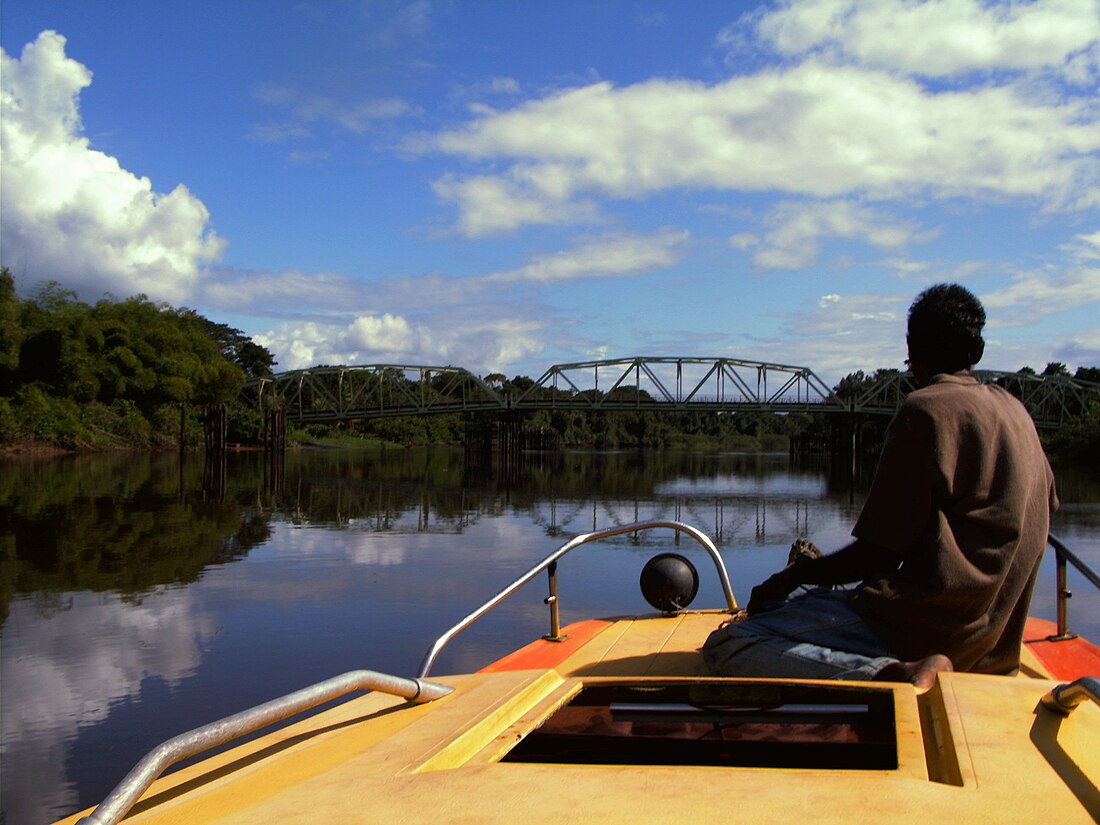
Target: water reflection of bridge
x=727 y=520
x=752 y=518
x=656 y=384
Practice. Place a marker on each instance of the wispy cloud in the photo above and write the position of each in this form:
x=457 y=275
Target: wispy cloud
x=1044 y=292
x=356 y=115
x=844 y=333
x=390 y=27
x=611 y=256
x=793 y=231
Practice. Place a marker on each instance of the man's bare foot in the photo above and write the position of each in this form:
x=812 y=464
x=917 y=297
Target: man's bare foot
x=921 y=673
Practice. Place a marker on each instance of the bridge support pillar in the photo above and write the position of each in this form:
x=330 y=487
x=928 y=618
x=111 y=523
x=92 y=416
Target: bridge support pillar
x=275 y=431
x=499 y=436
x=503 y=438
x=848 y=438
x=215 y=419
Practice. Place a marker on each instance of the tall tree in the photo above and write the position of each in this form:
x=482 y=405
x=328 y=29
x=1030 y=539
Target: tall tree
x=11 y=332
x=255 y=360
x=1088 y=374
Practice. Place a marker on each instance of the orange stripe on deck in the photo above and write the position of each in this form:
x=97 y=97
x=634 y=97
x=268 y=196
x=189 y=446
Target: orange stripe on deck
x=1068 y=659
x=543 y=653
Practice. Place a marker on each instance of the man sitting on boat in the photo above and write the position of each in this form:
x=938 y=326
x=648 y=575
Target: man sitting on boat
x=948 y=544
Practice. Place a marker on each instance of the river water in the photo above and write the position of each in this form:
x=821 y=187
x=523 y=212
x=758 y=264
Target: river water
x=142 y=597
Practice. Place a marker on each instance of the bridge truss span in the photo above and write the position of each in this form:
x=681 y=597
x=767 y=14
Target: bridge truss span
x=667 y=384
x=324 y=394
x=663 y=383
x=1052 y=400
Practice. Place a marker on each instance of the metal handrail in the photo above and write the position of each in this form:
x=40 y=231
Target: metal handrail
x=550 y=564
x=1064 y=698
x=137 y=781
x=1063 y=554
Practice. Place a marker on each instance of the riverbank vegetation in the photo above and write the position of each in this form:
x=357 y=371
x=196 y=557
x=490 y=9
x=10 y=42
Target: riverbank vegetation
x=134 y=373
x=115 y=373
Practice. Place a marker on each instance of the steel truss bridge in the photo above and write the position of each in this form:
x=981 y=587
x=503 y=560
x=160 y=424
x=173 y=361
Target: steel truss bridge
x=665 y=384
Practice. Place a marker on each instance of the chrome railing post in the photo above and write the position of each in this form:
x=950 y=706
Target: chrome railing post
x=552 y=600
x=1064 y=595
x=1063 y=555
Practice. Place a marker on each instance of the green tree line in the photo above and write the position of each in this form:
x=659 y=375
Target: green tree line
x=118 y=373
x=113 y=373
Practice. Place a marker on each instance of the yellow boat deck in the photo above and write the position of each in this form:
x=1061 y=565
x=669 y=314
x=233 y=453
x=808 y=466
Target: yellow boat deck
x=973 y=748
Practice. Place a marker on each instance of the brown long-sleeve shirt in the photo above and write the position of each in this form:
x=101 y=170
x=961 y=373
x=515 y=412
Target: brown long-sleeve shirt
x=963 y=494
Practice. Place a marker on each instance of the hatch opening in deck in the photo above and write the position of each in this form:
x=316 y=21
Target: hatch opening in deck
x=741 y=724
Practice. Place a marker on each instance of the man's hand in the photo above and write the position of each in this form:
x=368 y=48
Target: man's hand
x=777 y=586
x=853 y=563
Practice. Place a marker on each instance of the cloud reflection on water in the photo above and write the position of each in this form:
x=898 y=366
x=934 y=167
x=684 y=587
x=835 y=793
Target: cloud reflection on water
x=64 y=669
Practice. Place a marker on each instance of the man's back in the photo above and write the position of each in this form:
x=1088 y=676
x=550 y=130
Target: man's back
x=963 y=494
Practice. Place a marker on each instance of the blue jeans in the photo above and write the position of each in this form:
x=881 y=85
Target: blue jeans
x=816 y=634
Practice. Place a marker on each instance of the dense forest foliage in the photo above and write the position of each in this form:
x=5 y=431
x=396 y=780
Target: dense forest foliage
x=115 y=373
x=121 y=372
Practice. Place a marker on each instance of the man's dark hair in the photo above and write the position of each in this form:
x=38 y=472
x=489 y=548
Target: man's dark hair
x=945 y=326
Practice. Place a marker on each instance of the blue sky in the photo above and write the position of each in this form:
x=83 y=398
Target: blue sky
x=508 y=185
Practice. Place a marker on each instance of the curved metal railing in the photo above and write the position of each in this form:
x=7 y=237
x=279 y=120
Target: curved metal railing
x=136 y=782
x=550 y=565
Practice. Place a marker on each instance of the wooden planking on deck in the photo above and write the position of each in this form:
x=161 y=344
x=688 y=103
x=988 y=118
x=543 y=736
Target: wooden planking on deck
x=646 y=646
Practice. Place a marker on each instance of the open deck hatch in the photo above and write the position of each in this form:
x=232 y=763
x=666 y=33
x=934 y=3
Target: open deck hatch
x=743 y=724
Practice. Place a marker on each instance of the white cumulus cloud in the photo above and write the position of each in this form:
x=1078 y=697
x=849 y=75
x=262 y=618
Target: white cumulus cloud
x=816 y=129
x=942 y=37
x=489 y=204
x=380 y=334
x=73 y=214
x=478 y=337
